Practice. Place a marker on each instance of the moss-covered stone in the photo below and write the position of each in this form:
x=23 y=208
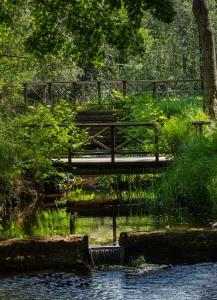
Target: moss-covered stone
x=171 y=247
x=55 y=252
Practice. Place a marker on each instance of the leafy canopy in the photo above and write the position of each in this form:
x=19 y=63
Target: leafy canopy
x=82 y=28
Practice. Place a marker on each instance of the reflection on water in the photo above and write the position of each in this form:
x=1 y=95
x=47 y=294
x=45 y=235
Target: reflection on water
x=180 y=282
x=101 y=230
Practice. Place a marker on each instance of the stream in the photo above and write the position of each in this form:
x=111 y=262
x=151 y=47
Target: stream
x=198 y=282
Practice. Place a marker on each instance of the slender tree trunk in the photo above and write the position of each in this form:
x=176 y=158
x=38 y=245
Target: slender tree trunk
x=208 y=55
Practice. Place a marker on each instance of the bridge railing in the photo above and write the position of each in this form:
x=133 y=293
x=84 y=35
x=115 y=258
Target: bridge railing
x=112 y=140
x=97 y=93
x=109 y=139
x=145 y=141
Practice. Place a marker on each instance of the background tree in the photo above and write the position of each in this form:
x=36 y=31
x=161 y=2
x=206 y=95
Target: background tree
x=208 y=55
x=83 y=30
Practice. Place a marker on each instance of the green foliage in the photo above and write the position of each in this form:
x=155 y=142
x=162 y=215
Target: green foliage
x=48 y=132
x=11 y=156
x=41 y=128
x=143 y=108
x=174 y=132
x=78 y=194
x=181 y=105
x=191 y=179
x=31 y=140
x=110 y=39
x=81 y=29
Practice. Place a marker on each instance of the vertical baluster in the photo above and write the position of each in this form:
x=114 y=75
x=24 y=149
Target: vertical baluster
x=154 y=91
x=114 y=227
x=69 y=150
x=124 y=83
x=156 y=141
x=201 y=128
x=74 y=93
x=72 y=223
x=112 y=127
x=25 y=92
x=99 y=94
x=49 y=91
x=44 y=93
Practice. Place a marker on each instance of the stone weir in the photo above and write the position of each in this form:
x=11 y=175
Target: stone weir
x=170 y=247
x=56 y=253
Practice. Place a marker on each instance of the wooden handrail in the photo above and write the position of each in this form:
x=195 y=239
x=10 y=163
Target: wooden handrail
x=144 y=81
x=48 y=91
x=117 y=124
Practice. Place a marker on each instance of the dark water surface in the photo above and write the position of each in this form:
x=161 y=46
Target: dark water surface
x=181 y=282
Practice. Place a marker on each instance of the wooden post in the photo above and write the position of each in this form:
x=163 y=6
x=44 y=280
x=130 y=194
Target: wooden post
x=74 y=93
x=83 y=93
x=114 y=229
x=69 y=155
x=156 y=140
x=124 y=88
x=72 y=223
x=44 y=93
x=49 y=91
x=200 y=129
x=69 y=150
x=25 y=93
x=154 y=89
x=112 y=143
x=166 y=89
x=99 y=94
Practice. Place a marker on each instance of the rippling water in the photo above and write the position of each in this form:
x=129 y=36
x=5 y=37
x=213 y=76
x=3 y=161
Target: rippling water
x=180 y=282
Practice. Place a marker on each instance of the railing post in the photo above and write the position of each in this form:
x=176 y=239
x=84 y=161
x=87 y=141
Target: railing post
x=44 y=94
x=74 y=92
x=69 y=155
x=72 y=223
x=156 y=140
x=154 y=89
x=99 y=94
x=25 y=92
x=112 y=143
x=69 y=151
x=114 y=227
x=49 y=91
x=201 y=129
x=124 y=88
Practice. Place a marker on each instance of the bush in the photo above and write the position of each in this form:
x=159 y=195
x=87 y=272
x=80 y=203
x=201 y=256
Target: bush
x=48 y=132
x=27 y=145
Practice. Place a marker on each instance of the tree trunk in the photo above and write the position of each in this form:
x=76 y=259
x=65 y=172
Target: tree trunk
x=209 y=71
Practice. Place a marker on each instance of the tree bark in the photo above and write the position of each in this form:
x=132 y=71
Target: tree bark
x=208 y=55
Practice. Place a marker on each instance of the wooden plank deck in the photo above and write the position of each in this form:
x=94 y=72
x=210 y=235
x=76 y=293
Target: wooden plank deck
x=88 y=165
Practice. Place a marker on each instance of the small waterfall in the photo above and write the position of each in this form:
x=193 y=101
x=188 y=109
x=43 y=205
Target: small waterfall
x=107 y=255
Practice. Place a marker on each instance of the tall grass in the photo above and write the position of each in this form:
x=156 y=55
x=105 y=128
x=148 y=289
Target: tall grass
x=180 y=105
x=191 y=180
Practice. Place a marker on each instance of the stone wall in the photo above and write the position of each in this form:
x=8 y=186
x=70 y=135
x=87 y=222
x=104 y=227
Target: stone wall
x=171 y=247
x=56 y=252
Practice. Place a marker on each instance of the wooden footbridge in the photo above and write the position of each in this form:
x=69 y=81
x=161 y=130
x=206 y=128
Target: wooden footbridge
x=114 y=150
x=111 y=147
